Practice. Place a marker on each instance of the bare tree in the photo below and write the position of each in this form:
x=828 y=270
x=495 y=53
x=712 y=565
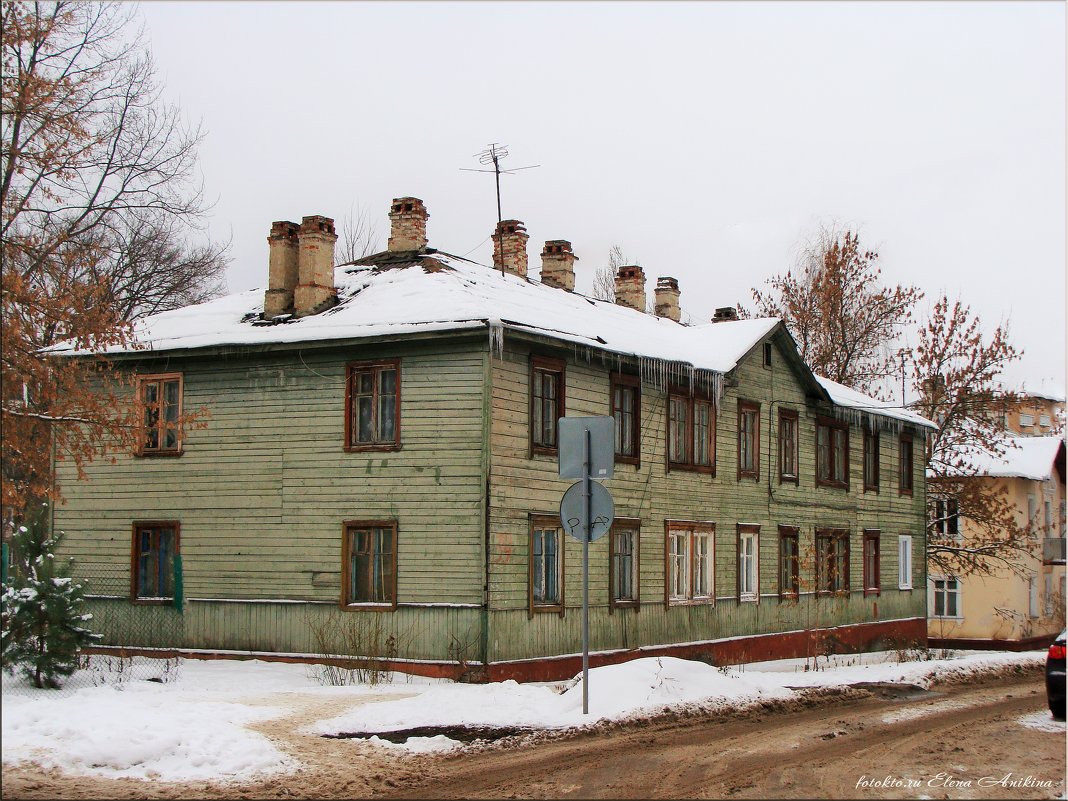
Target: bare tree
x=357 y=236
x=604 y=279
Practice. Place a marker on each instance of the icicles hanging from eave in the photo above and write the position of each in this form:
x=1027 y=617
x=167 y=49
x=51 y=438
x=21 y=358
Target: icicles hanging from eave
x=496 y=337
x=662 y=374
x=862 y=418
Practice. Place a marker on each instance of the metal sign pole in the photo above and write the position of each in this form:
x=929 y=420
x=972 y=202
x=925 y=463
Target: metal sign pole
x=586 y=493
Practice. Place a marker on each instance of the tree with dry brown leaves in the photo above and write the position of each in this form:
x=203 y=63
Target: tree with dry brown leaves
x=845 y=321
x=99 y=198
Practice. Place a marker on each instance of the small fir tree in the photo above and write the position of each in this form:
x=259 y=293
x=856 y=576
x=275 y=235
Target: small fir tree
x=43 y=617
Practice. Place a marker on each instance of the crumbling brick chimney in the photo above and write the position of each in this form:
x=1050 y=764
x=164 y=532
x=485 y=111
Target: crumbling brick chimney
x=667 y=298
x=630 y=287
x=510 y=247
x=725 y=314
x=407 y=224
x=558 y=264
x=315 y=290
x=281 y=269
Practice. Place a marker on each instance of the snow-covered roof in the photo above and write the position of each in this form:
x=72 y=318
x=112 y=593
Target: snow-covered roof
x=1024 y=457
x=851 y=399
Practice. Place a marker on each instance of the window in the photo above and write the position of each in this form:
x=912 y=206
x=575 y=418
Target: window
x=832 y=453
x=789 y=573
x=369 y=566
x=546 y=403
x=1044 y=420
x=905 y=462
x=155 y=546
x=946 y=600
x=373 y=419
x=871 y=562
x=904 y=562
x=871 y=460
x=832 y=561
x=689 y=554
x=787 y=446
x=748 y=440
x=691 y=433
x=1047 y=518
x=1032 y=511
x=161 y=398
x=748 y=563
x=626 y=409
x=546 y=565
x=1027 y=420
x=767 y=354
x=623 y=564
x=945 y=523
x=1032 y=597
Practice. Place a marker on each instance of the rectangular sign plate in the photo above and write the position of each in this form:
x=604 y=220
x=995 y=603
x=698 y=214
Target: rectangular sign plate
x=572 y=432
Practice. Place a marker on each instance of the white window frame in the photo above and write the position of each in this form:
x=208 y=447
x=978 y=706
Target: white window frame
x=1026 y=420
x=1032 y=597
x=946 y=592
x=904 y=562
x=748 y=564
x=1044 y=420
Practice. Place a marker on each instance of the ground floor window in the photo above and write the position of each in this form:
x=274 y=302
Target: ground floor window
x=832 y=561
x=871 y=562
x=369 y=569
x=904 y=562
x=155 y=547
x=748 y=563
x=946 y=597
x=789 y=572
x=689 y=554
x=623 y=563
x=546 y=565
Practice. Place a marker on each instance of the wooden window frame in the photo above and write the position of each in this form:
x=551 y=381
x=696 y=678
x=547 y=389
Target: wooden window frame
x=833 y=425
x=351 y=369
x=545 y=521
x=135 y=567
x=790 y=533
x=871 y=446
x=904 y=488
x=630 y=524
x=693 y=529
x=872 y=583
x=691 y=399
x=545 y=364
x=901 y=585
x=143 y=450
x=941 y=516
x=832 y=535
x=744 y=529
x=628 y=382
x=767 y=354
x=346 y=544
x=958 y=592
x=793 y=416
x=749 y=407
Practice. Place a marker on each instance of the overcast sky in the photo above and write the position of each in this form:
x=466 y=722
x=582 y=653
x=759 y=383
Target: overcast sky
x=708 y=140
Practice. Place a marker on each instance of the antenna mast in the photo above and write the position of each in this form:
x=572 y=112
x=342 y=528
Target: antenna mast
x=493 y=154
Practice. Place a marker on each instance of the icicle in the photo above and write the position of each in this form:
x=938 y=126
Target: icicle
x=496 y=337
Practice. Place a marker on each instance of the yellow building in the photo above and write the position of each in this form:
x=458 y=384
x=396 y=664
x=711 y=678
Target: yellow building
x=1009 y=609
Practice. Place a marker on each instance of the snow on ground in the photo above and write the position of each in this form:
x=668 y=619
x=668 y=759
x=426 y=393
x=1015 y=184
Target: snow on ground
x=197 y=725
x=1042 y=721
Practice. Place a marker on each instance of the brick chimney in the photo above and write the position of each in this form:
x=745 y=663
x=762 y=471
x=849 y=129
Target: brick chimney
x=407 y=224
x=315 y=266
x=725 y=314
x=281 y=269
x=510 y=247
x=667 y=298
x=630 y=287
x=558 y=264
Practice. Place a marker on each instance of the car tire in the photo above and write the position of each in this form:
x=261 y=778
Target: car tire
x=1057 y=709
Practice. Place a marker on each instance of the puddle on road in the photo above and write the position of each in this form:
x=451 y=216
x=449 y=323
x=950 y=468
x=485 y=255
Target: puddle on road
x=464 y=734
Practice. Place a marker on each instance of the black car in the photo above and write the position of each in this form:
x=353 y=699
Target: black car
x=1055 y=677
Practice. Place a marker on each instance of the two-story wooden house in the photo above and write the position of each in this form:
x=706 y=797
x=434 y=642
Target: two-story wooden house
x=380 y=455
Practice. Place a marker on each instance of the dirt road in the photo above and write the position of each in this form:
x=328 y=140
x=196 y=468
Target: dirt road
x=964 y=741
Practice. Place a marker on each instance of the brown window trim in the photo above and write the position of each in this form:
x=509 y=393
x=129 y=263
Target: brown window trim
x=871 y=435
x=790 y=532
x=352 y=447
x=749 y=406
x=784 y=478
x=151 y=453
x=134 y=568
x=635 y=524
x=746 y=528
x=901 y=488
x=690 y=397
x=550 y=365
x=546 y=521
x=871 y=587
x=834 y=534
x=369 y=606
x=830 y=422
x=702 y=527
x=633 y=381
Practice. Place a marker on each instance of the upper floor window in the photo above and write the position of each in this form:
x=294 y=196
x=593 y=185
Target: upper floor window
x=1026 y=420
x=832 y=561
x=906 y=464
x=626 y=410
x=691 y=433
x=788 y=471
x=748 y=563
x=748 y=439
x=369 y=569
x=689 y=555
x=546 y=403
x=374 y=395
x=945 y=520
x=623 y=563
x=161 y=399
x=832 y=453
x=871 y=460
x=546 y=565
x=155 y=546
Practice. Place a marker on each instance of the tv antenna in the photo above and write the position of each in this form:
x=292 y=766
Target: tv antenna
x=493 y=154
